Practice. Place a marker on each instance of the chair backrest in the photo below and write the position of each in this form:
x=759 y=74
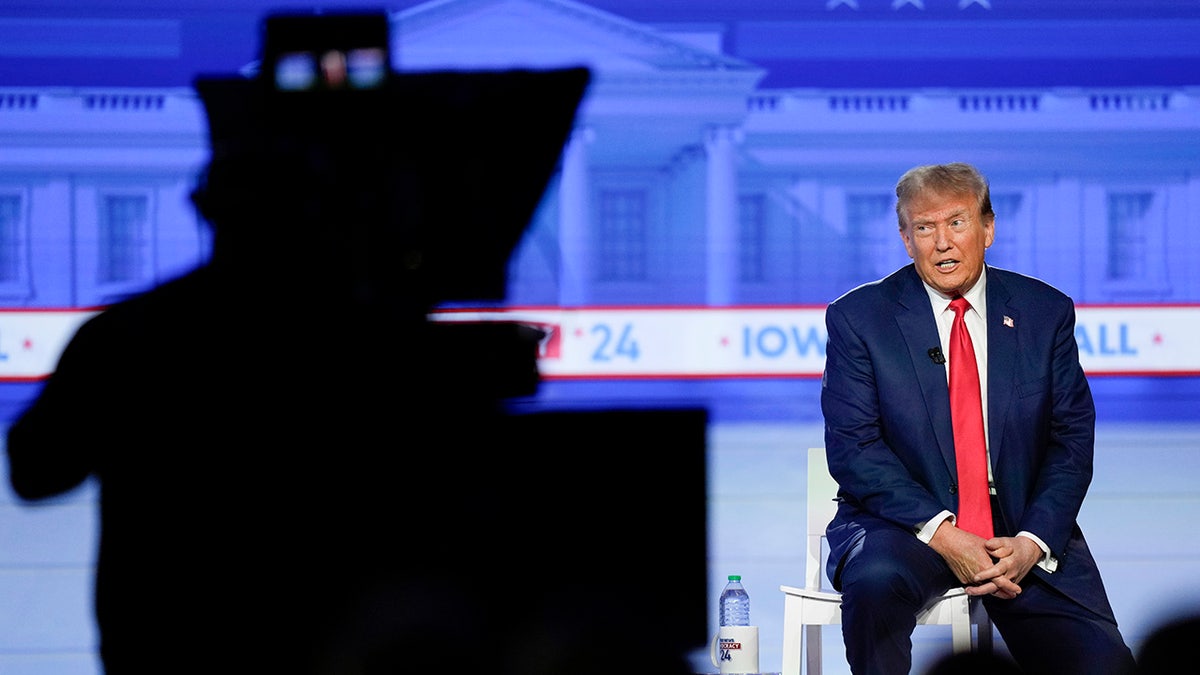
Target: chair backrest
x=822 y=504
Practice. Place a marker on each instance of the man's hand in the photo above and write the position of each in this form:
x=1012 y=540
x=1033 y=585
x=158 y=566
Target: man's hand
x=967 y=554
x=1015 y=556
x=986 y=567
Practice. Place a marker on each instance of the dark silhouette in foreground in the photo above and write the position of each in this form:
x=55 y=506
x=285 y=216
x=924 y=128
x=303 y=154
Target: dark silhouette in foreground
x=299 y=472
x=974 y=663
x=1170 y=647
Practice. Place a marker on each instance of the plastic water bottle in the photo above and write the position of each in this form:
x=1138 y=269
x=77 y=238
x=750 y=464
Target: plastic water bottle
x=735 y=603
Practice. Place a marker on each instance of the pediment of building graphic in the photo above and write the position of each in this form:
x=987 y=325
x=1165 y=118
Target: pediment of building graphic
x=546 y=33
x=674 y=85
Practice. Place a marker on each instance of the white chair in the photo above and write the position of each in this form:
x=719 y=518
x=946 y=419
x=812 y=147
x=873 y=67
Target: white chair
x=806 y=609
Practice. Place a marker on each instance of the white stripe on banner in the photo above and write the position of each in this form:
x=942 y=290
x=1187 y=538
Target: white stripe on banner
x=666 y=342
x=32 y=340
x=790 y=342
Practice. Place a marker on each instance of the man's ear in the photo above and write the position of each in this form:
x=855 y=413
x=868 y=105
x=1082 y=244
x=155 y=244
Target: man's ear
x=908 y=247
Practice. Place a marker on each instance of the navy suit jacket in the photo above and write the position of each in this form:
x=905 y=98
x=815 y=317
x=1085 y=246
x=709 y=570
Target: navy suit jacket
x=887 y=419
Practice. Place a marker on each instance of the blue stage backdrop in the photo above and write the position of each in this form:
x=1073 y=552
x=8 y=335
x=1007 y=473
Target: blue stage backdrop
x=730 y=173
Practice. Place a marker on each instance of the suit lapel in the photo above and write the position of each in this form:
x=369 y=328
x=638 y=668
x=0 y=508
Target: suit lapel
x=1002 y=321
x=914 y=318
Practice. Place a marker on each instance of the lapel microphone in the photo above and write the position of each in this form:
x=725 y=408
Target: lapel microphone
x=935 y=355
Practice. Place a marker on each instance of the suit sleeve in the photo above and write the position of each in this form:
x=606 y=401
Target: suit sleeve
x=873 y=478
x=1062 y=466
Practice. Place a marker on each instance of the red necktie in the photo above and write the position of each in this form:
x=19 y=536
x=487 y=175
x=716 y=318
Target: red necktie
x=966 y=412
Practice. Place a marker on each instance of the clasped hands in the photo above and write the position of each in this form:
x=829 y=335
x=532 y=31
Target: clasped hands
x=986 y=566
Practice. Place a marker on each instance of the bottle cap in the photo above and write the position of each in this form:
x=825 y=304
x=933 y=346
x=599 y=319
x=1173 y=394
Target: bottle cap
x=735 y=577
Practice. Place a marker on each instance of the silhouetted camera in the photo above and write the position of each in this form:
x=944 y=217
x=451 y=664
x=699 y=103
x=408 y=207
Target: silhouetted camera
x=305 y=53
x=413 y=187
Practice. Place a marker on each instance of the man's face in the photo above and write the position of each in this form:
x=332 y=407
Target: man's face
x=946 y=235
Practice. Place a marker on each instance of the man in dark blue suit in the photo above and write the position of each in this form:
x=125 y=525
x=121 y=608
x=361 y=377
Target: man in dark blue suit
x=894 y=543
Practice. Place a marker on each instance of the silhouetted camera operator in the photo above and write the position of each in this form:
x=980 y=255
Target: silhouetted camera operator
x=295 y=466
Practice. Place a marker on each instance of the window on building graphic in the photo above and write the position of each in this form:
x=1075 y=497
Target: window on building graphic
x=752 y=216
x=1006 y=205
x=123 y=227
x=871 y=232
x=622 y=231
x=1127 y=235
x=11 y=229
x=1005 y=245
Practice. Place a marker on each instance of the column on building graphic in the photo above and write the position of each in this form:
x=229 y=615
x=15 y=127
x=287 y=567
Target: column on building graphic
x=722 y=215
x=575 y=268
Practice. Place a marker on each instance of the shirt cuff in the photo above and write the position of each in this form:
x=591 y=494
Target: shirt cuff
x=925 y=532
x=1048 y=562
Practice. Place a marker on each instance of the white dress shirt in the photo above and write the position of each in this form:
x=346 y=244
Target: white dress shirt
x=976 y=320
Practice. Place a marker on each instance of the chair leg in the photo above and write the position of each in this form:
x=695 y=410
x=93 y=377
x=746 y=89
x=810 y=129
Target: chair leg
x=983 y=624
x=793 y=634
x=960 y=625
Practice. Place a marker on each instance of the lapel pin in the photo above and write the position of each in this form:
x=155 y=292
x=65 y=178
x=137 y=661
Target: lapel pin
x=1008 y=321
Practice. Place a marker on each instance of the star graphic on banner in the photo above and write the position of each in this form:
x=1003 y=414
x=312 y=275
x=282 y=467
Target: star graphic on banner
x=831 y=4
x=1157 y=339
x=27 y=344
x=963 y=4
x=724 y=340
x=897 y=4
x=578 y=332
